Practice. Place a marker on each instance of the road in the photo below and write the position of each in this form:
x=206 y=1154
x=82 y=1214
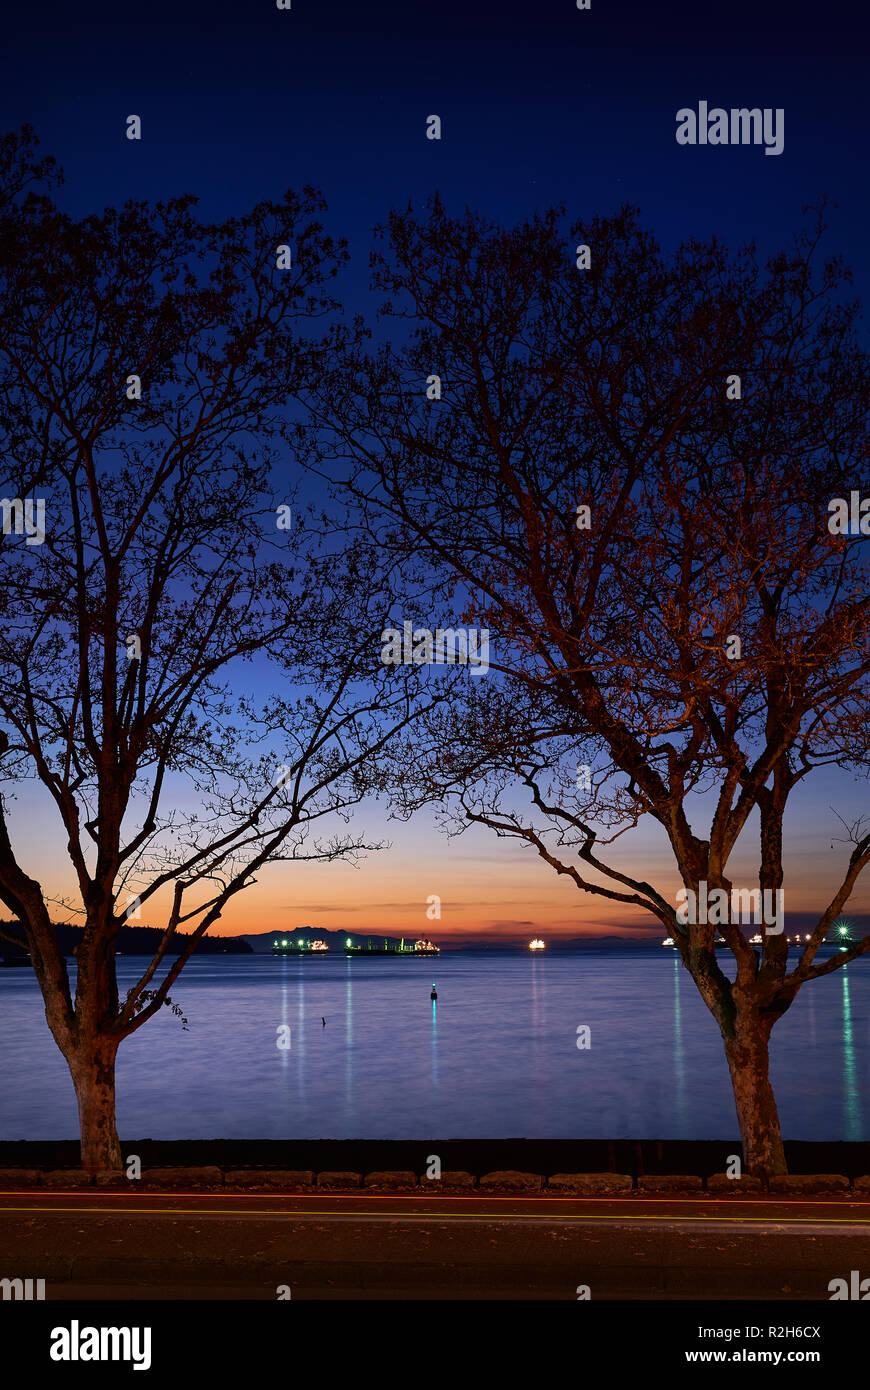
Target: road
x=371 y=1246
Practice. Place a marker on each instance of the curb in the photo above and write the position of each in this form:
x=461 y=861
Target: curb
x=567 y=1184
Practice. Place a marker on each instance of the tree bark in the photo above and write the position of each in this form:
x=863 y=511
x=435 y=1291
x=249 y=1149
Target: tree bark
x=747 y=1051
x=93 y=1072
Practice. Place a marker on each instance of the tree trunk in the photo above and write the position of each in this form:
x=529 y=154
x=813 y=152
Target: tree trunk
x=93 y=1073
x=757 y=1115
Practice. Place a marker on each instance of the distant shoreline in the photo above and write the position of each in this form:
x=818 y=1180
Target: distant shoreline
x=243 y=952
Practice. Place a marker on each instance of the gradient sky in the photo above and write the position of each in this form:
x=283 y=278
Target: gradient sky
x=540 y=104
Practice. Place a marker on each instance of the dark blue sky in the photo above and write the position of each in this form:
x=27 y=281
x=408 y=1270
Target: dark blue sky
x=540 y=103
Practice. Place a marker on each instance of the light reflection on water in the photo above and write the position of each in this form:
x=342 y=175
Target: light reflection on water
x=680 y=1115
x=496 y=1055
x=851 y=1097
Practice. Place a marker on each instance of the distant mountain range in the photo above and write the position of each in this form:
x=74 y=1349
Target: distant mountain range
x=795 y=922
x=262 y=941
x=143 y=941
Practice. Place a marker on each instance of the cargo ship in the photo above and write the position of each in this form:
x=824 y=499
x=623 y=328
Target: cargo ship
x=423 y=947
x=286 y=946
x=283 y=947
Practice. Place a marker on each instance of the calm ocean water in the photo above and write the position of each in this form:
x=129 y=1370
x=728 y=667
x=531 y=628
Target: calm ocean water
x=496 y=1056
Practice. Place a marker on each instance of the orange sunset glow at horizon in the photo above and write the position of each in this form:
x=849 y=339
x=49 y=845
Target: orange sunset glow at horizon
x=491 y=889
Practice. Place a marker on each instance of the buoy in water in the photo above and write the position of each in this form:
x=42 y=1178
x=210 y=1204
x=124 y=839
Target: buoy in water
x=434 y=994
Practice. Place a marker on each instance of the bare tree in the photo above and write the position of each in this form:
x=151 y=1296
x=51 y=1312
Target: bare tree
x=626 y=480
x=146 y=366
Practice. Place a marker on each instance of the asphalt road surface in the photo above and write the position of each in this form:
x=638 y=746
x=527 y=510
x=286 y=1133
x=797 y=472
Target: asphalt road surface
x=371 y=1246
